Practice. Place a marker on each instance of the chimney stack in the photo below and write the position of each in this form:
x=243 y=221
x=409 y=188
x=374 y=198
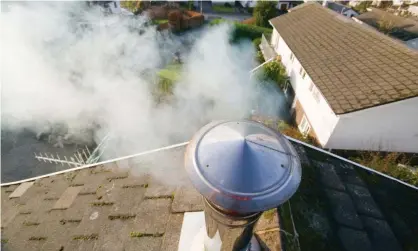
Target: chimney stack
x=241 y=168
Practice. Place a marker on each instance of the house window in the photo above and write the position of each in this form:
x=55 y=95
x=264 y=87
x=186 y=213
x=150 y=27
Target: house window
x=311 y=87
x=316 y=95
x=292 y=57
x=315 y=92
x=304 y=126
x=284 y=6
x=114 y=3
x=302 y=72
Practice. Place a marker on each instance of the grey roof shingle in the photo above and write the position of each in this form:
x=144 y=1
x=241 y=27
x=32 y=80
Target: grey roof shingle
x=108 y=208
x=354 y=66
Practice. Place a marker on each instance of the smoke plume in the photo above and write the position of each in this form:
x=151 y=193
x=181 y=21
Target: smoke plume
x=66 y=64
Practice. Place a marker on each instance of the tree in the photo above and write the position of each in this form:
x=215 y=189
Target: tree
x=263 y=12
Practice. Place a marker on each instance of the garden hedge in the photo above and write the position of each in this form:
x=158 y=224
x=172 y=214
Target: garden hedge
x=244 y=31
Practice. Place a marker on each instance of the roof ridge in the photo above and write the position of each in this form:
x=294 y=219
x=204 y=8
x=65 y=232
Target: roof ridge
x=362 y=25
x=300 y=6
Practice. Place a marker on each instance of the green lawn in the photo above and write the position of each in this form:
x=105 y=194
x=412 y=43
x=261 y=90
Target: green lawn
x=222 y=8
x=160 y=21
x=171 y=72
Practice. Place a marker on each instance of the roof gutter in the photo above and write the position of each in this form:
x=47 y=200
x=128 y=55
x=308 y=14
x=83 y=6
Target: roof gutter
x=95 y=164
x=351 y=162
x=185 y=143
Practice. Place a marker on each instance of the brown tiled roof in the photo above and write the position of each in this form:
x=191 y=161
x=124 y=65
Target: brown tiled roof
x=354 y=66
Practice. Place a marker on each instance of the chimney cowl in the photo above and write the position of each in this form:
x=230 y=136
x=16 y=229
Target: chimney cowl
x=242 y=166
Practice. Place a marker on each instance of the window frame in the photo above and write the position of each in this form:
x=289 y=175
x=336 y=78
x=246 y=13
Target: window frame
x=304 y=125
x=302 y=72
x=316 y=95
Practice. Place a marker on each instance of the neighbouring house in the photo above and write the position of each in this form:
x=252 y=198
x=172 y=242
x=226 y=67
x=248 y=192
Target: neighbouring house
x=281 y=5
x=354 y=3
x=401 y=28
x=340 y=8
x=413 y=43
x=232 y=3
x=413 y=10
x=381 y=3
x=350 y=86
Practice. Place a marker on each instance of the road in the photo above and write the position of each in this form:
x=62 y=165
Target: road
x=210 y=14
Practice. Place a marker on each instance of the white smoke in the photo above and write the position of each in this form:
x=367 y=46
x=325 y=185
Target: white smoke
x=53 y=71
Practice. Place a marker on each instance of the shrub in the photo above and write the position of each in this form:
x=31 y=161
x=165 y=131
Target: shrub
x=275 y=71
x=218 y=21
x=223 y=8
x=167 y=78
x=243 y=31
x=259 y=54
x=257 y=43
x=260 y=57
x=250 y=21
x=385 y=25
x=249 y=31
x=159 y=21
x=284 y=128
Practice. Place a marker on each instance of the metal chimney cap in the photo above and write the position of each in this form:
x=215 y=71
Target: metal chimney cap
x=242 y=166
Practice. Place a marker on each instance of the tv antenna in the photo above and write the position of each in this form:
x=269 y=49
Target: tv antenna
x=82 y=157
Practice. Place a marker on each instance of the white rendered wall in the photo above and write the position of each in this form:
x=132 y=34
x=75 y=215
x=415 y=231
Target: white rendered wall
x=319 y=114
x=391 y=127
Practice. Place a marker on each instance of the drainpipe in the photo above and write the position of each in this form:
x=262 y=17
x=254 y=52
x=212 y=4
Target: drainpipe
x=241 y=168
